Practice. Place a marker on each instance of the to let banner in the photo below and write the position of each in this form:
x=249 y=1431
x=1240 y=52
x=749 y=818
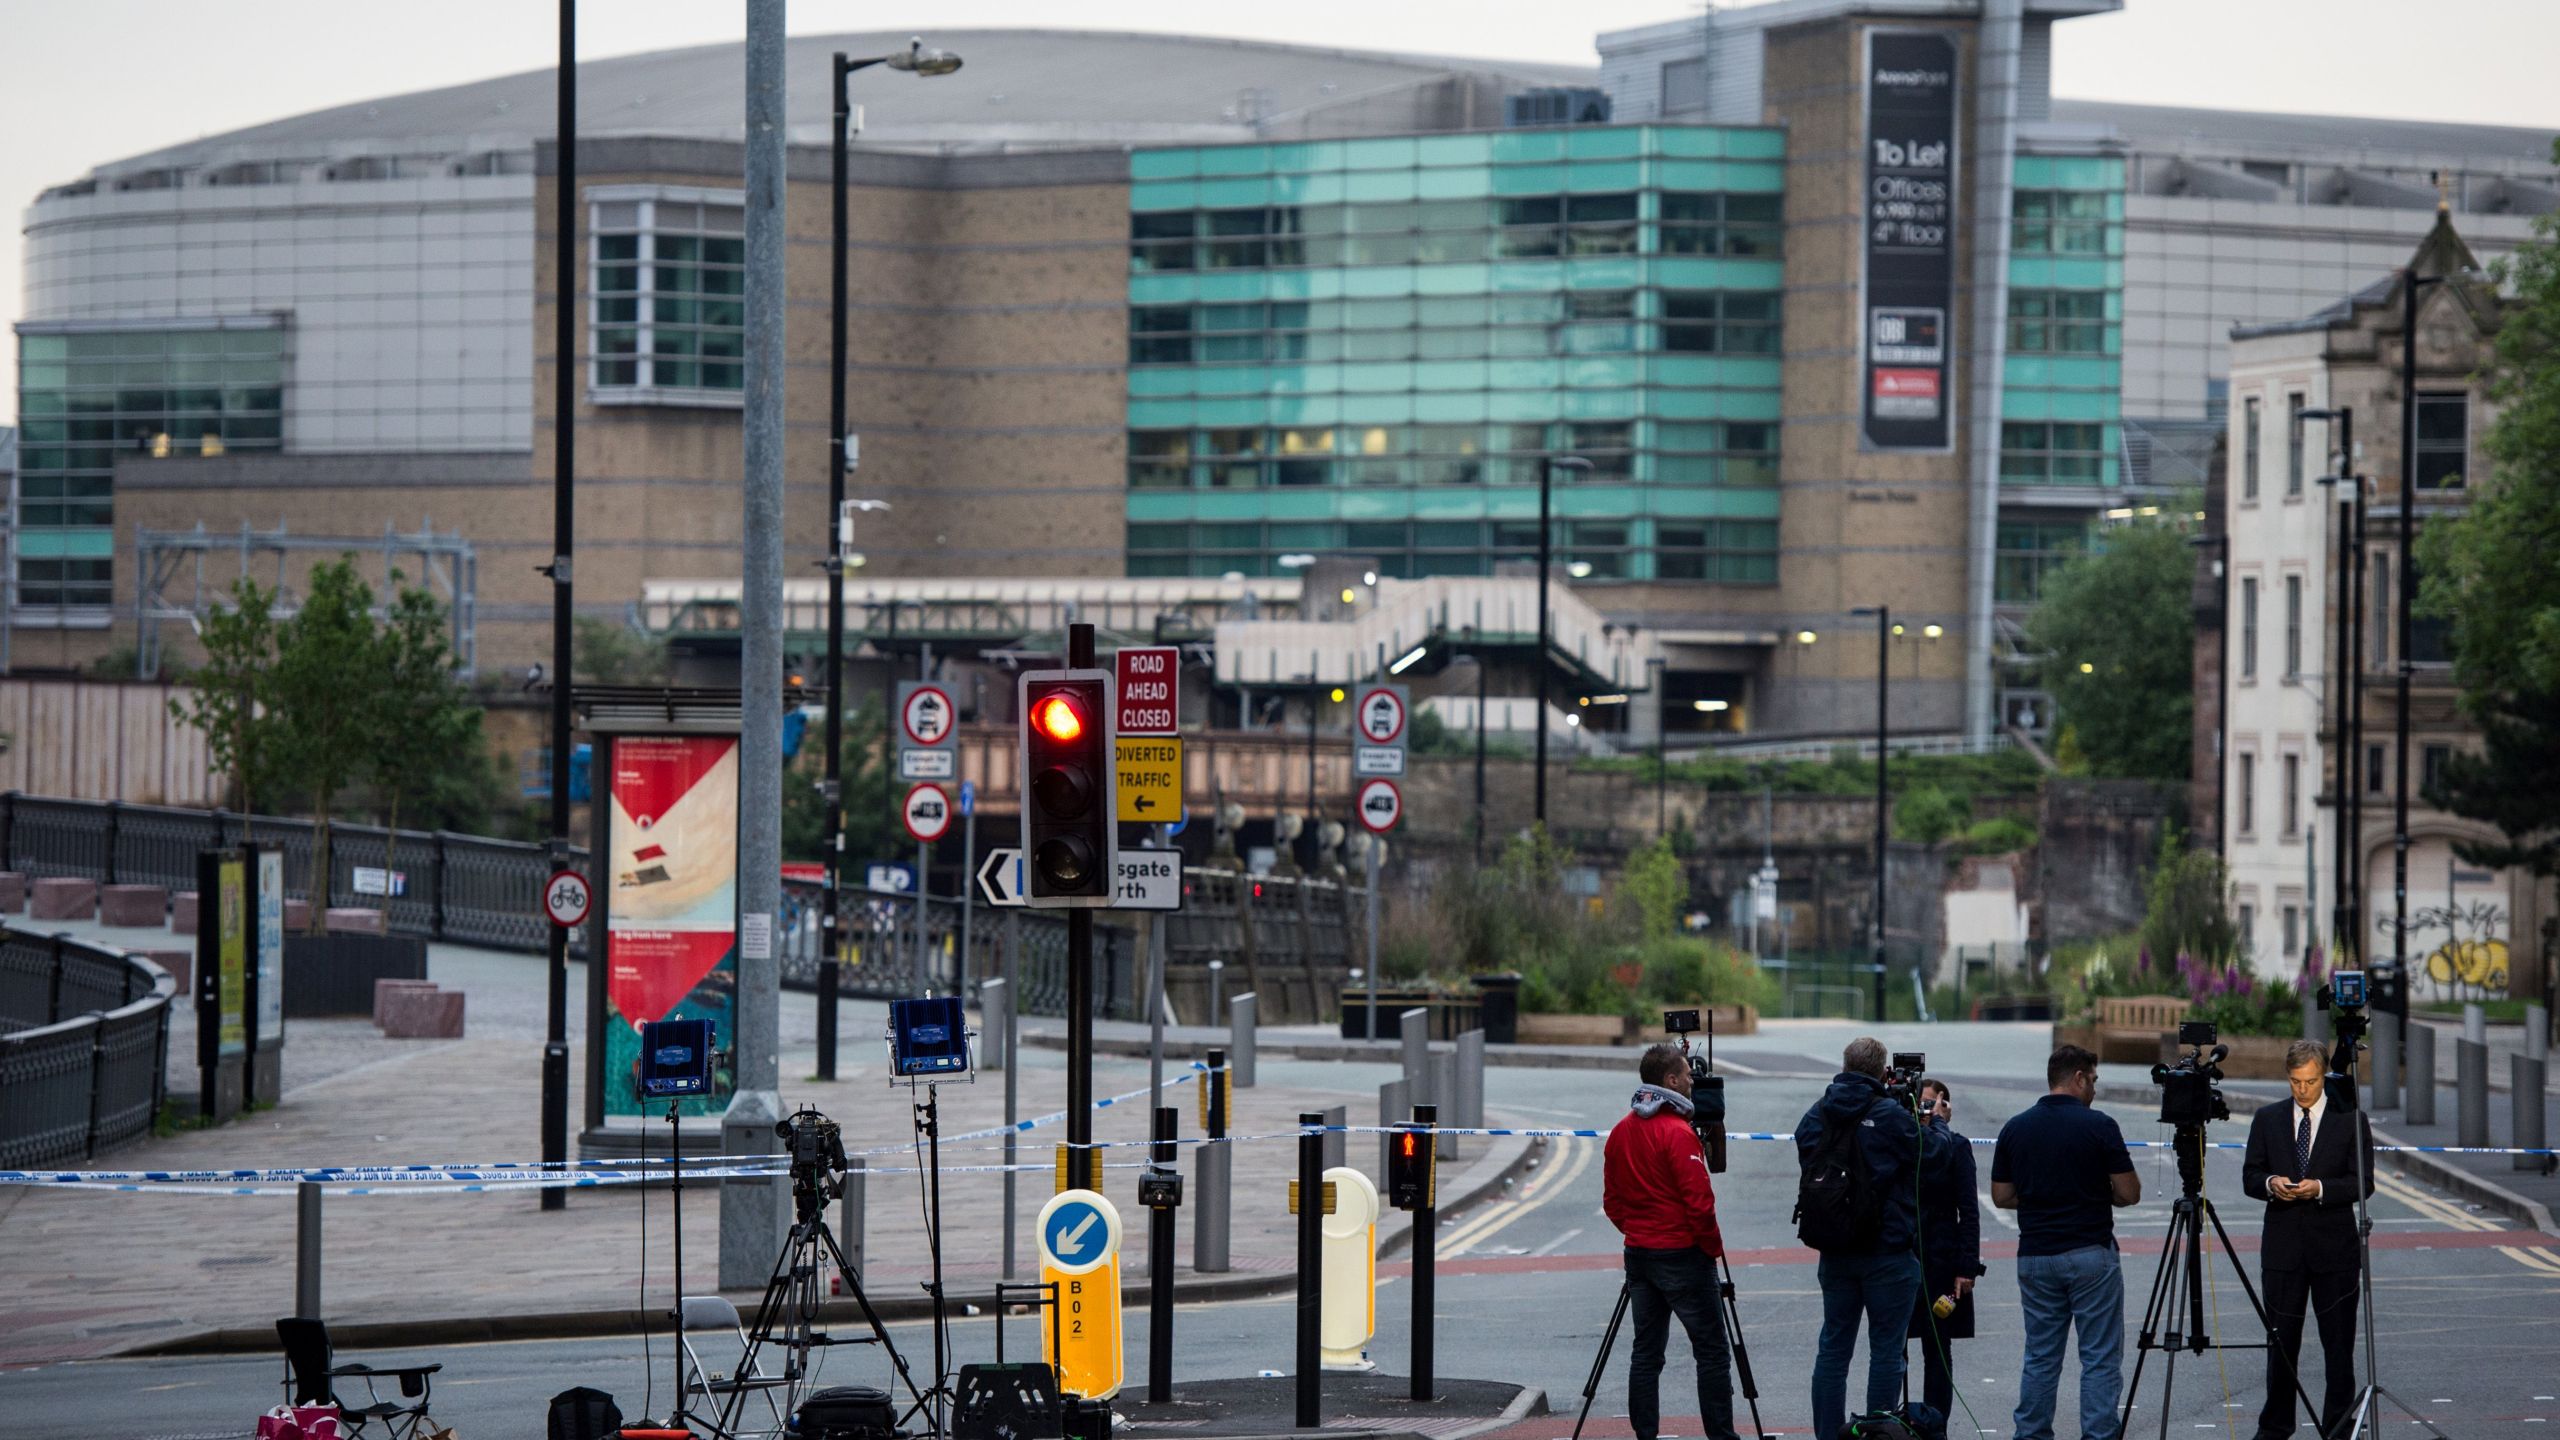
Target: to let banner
x=1910 y=222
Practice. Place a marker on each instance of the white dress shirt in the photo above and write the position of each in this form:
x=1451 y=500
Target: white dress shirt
x=2293 y=1126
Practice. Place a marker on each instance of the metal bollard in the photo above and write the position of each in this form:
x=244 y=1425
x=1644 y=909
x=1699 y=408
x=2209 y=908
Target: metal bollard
x=1310 y=1274
x=1336 y=1144
x=849 y=1230
x=306 y=1251
x=1241 y=1014
x=1467 y=1106
x=2386 y=1061
x=1413 y=1032
x=1395 y=1102
x=1444 y=1091
x=2315 y=1019
x=2470 y=1092
x=1217 y=989
x=2475 y=1023
x=2525 y=1074
x=1214 y=1167
x=2537 y=1032
x=830 y=986
x=2421 y=1108
x=994 y=999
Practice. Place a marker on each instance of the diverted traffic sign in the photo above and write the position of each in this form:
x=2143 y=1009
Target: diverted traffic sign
x=1148 y=780
x=1079 y=1235
x=1380 y=804
x=928 y=813
x=1147 y=880
x=1381 y=713
x=1000 y=876
x=1149 y=689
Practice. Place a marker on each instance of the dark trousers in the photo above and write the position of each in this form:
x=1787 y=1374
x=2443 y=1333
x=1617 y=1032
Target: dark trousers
x=1937 y=1382
x=1661 y=1284
x=2330 y=1296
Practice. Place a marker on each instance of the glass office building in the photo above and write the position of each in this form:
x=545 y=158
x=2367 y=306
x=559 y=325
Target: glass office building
x=1376 y=345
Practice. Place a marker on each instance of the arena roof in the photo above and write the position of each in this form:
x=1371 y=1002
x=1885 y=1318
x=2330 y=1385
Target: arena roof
x=1027 y=89
x=2174 y=129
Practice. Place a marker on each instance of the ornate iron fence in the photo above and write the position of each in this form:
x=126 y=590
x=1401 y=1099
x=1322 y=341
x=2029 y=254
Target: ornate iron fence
x=84 y=1047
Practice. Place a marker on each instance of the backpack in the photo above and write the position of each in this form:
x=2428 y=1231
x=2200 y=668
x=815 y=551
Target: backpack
x=1838 y=1206
x=848 y=1412
x=1914 y=1421
x=584 y=1414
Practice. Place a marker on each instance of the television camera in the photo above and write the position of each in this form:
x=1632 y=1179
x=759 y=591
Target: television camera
x=816 y=1147
x=1902 y=1077
x=1706 y=1088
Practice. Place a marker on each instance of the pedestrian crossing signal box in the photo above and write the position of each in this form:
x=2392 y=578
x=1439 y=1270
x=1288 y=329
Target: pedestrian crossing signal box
x=1411 y=1171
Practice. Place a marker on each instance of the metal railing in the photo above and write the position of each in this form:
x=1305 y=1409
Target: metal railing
x=84 y=1047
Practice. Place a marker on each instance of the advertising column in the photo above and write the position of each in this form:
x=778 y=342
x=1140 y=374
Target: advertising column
x=671 y=887
x=1909 y=276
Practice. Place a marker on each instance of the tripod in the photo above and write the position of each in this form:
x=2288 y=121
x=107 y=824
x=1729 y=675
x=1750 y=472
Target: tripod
x=792 y=1297
x=1733 y=1334
x=935 y=1403
x=2175 y=1317
x=2342 y=1087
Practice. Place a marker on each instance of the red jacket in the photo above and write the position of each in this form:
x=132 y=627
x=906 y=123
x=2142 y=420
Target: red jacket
x=1654 y=1186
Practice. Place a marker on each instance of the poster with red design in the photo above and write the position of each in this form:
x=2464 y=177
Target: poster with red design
x=671 y=903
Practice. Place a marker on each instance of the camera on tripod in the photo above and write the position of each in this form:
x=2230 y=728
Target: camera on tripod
x=2189 y=1095
x=816 y=1147
x=1902 y=1077
x=1706 y=1088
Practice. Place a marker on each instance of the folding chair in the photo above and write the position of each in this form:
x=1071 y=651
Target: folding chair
x=311 y=1379
x=712 y=1318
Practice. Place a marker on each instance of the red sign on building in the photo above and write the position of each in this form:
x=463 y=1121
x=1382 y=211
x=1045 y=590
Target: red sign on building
x=1150 y=690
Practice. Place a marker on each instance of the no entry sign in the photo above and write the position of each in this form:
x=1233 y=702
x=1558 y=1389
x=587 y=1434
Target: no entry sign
x=1149 y=689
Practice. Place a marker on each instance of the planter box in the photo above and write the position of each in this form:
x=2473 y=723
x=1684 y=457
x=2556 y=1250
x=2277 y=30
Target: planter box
x=328 y=975
x=2014 y=1007
x=422 y=1013
x=297 y=916
x=383 y=990
x=13 y=892
x=133 y=905
x=63 y=898
x=354 y=920
x=182 y=913
x=181 y=965
x=2084 y=1036
x=1576 y=1030
x=1446 y=1016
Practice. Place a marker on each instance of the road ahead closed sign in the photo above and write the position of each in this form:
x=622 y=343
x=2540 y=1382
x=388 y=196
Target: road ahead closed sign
x=1149 y=780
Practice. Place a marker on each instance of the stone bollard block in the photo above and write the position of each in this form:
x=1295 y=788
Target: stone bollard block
x=13 y=892
x=422 y=1014
x=297 y=916
x=63 y=898
x=181 y=965
x=182 y=913
x=134 y=905
x=354 y=920
x=383 y=990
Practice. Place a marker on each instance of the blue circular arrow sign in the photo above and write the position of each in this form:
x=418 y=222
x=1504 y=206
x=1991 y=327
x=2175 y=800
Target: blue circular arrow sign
x=1077 y=1232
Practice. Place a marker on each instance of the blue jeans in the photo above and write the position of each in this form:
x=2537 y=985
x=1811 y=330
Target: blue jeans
x=1882 y=1288
x=2080 y=1289
x=1661 y=1284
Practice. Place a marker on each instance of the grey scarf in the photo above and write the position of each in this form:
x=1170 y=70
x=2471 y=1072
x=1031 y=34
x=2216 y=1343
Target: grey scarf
x=1651 y=1099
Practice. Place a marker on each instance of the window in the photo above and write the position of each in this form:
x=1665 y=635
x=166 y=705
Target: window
x=2058 y=222
x=1720 y=322
x=669 y=301
x=2373 y=769
x=1684 y=85
x=2430 y=636
x=1733 y=552
x=1735 y=453
x=2249 y=442
x=2249 y=628
x=2028 y=551
x=2444 y=441
x=2054 y=454
x=2292 y=931
x=2248 y=929
x=1713 y=224
x=1596 y=549
x=2058 y=322
x=2292 y=795
x=2431 y=762
x=1159 y=459
x=2293 y=447
x=2247 y=792
x=1160 y=241
x=2292 y=627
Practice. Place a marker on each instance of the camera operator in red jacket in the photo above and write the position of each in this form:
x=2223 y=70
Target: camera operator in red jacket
x=1654 y=1188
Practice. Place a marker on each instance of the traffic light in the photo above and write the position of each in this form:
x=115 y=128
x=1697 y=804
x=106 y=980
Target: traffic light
x=1409 y=1168
x=1068 y=831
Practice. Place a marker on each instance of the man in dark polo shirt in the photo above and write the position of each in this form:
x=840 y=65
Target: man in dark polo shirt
x=2062 y=1165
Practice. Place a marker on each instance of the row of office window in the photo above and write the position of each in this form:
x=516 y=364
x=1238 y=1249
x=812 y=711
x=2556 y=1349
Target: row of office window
x=2430 y=636
x=2028 y=550
x=1661 y=452
x=2443 y=451
x=668 y=298
x=2052 y=453
x=2058 y=222
x=1735 y=552
x=2375 y=774
x=1456 y=327
x=1261 y=237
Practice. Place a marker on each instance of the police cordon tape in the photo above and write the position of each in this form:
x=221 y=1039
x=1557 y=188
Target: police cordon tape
x=456 y=1179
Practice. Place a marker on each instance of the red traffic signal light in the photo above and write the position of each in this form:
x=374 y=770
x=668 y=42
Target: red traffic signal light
x=1068 y=829
x=1409 y=1169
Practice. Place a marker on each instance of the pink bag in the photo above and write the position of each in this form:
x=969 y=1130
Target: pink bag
x=300 y=1422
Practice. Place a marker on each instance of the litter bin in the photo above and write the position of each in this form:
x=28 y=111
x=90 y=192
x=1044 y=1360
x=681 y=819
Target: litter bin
x=1498 y=1007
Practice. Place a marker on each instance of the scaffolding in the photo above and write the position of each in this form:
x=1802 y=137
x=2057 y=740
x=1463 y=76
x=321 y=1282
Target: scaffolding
x=169 y=560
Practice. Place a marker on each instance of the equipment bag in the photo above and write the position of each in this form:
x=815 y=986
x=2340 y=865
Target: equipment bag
x=1838 y=1206
x=848 y=1412
x=584 y=1414
x=1912 y=1422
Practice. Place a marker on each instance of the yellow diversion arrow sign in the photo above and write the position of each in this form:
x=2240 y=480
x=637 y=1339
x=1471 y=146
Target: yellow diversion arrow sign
x=1149 y=780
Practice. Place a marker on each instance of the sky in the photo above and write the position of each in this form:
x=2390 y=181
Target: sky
x=87 y=82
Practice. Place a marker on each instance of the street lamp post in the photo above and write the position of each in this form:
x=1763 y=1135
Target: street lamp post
x=564 y=497
x=1546 y=564
x=1659 y=665
x=1884 y=681
x=2346 y=842
x=2410 y=282
x=1478 y=662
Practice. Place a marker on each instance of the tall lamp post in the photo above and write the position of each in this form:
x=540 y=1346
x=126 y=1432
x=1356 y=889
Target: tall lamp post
x=564 y=497
x=1546 y=567
x=1660 y=666
x=2347 y=843
x=842 y=456
x=1884 y=683
x=2410 y=283
x=1464 y=658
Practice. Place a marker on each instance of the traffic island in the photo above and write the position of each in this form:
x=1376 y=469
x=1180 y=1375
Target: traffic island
x=1370 y=1403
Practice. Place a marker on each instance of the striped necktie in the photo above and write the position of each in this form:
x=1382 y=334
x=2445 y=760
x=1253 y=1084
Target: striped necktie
x=2302 y=1147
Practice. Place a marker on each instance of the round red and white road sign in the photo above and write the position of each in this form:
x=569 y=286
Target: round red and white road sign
x=928 y=716
x=1381 y=716
x=928 y=813
x=566 y=898
x=1380 y=804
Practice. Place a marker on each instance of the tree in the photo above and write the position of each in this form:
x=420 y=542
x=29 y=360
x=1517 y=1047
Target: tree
x=327 y=682
x=618 y=655
x=871 y=824
x=2188 y=909
x=1653 y=888
x=426 y=734
x=230 y=699
x=2118 y=645
x=2490 y=571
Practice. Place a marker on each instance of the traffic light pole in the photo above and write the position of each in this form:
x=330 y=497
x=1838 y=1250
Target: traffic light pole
x=1426 y=1245
x=564 y=501
x=1080 y=1167
x=830 y=978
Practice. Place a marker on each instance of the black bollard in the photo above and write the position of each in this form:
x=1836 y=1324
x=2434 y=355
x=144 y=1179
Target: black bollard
x=1310 y=1270
x=830 y=981
x=1426 y=1243
x=1162 y=1192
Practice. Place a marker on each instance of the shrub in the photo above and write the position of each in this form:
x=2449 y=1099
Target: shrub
x=1653 y=888
x=1930 y=815
x=1998 y=835
x=2188 y=911
x=1680 y=971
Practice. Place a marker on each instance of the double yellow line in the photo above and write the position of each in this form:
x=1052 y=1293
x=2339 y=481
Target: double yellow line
x=1560 y=1173
x=2533 y=1258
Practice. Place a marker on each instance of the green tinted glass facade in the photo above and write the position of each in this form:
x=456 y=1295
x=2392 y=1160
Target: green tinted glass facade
x=2064 y=367
x=84 y=398
x=1377 y=345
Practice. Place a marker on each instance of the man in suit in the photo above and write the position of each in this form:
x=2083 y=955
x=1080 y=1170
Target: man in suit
x=2305 y=1160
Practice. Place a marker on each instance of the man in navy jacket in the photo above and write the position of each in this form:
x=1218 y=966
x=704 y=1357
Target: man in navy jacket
x=1654 y=1188
x=1880 y=1283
